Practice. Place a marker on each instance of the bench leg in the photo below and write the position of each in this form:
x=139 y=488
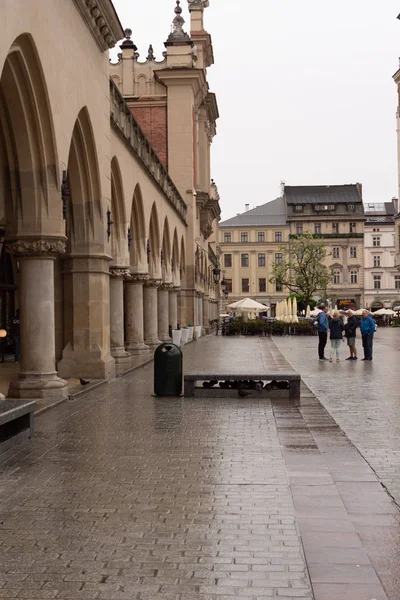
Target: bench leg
x=294 y=389
x=31 y=424
x=189 y=388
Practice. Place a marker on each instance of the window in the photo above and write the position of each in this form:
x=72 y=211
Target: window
x=244 y=236
x=299 y=228
x=335 y=227
x=336 y=252
x=331 y=207
x=376 y=241
x=350 y=207
x=244 y=260
x=336 y=276
x=317 y=227
x=377 y=282
x=262 y=284
x=261 y=260
x=261 y=236
x=353 y=227
x=353 y=251
x=298 y=207
x=278 y=258
x=227 y=237
x=278 y=287
x=227 y=260
x=245 y=285
x=353 y=276
x=278 y=236
x=375 y=229
x=377 y=260
x=228 y=285
x=397 y=282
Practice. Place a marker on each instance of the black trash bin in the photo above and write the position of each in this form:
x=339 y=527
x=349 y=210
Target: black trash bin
x=168 y=370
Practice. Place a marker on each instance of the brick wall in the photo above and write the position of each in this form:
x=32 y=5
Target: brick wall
x=153 y=121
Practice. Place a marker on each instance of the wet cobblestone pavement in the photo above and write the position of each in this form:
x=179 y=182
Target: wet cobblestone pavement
x=125 y=496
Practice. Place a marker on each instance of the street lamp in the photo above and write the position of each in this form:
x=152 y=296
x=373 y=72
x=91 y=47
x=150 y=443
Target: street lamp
x=216 y=275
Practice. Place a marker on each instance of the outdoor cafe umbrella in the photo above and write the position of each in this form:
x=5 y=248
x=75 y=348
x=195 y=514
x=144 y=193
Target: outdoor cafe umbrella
x=248 y=305
x=308 y=311
x=384 y=311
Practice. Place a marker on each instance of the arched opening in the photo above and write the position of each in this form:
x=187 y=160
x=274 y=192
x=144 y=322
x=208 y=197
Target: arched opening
x=119 y=229
x=154 y=246
x=137 y=244
x=86 y=331
x=376 y=305
x=175 y=260
x=166 y=254
x=30 y=204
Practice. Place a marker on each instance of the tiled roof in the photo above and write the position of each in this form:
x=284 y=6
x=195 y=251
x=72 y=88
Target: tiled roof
x=271 y=213
x=323 y=194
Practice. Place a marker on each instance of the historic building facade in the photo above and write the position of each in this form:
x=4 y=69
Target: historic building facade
x=381 y=278
x=253 y=240
x=105 y=232
x=334 y=214
x=250 y=243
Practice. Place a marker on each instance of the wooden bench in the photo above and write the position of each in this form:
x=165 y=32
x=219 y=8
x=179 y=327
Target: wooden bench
x=16 y=422
x=291 y=377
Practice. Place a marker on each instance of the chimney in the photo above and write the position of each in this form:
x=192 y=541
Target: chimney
x=359 y=188
x=396 y=205
x=247 y=207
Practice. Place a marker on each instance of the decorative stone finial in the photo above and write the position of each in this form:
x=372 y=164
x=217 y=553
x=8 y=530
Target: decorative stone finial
x=177 y=34
x=200 y=4
x=150 y=55
x=127 y=43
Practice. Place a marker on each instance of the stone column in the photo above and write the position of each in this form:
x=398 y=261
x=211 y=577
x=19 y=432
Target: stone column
x=163 y=311
x=151 y=313
x=118 y=352
x=134 y=314
x=38 y=376
x=173 y=307
x=206 y=313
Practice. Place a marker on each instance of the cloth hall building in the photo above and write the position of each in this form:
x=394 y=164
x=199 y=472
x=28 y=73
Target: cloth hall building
x=108 y=215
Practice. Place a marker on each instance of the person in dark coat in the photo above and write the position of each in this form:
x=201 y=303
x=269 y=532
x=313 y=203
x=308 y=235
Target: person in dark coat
x=336 y=328
x=350 y=333
x=323 y=326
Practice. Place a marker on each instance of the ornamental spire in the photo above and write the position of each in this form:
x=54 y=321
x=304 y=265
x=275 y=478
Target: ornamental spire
x=177 y=34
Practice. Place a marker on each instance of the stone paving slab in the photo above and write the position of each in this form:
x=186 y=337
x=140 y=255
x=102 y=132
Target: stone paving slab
x=124 y=495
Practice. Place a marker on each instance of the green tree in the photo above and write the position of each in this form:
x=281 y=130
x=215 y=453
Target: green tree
x=302 y=268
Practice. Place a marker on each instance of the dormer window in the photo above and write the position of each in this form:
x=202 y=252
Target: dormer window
x=298 y=207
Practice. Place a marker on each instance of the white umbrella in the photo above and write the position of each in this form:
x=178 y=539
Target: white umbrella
x=384 y=311
x=315 y=312
x=359 y=312
x=295 y=306
x=248 y=305
x=308 y=312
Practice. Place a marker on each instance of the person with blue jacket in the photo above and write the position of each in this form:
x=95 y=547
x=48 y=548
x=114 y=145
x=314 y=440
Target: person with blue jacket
x=323 y=326
x=367 y=327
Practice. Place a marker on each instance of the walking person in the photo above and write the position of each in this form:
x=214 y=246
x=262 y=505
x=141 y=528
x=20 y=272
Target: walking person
x=323 y=326
x=350 y=333
x=367 y=327
x=336 y=328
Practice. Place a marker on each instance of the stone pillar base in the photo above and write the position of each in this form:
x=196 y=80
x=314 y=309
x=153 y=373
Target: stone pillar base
x=153 y=344
x=88 y=365
x=137 y=348
x=119 y=352
x=165 y=338
x=42 y=385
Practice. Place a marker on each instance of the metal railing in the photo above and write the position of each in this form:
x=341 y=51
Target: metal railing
x=127 y=126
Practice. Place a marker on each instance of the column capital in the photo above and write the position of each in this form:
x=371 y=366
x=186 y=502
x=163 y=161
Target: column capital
x=137 y=277
x=153 y=283
x=166 y=286
x=41 y=247
x=119 y=272
x=176 y=288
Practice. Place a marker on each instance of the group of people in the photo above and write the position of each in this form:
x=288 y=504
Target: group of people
x=339 y=331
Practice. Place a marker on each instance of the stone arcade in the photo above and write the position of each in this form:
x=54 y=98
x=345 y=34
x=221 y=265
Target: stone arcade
x=107 y=239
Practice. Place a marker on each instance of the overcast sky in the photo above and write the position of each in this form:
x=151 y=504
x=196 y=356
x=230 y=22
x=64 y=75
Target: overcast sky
x=304 y=88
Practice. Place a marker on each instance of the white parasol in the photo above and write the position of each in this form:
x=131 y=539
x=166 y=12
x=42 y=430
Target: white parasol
x=384 y=311
x=248 y=305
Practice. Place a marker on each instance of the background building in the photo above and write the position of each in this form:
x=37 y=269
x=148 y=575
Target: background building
x=334 y=214
x=249 y=244
x=381 y=278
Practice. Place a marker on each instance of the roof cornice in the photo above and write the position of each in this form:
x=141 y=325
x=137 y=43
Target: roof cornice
x=102 y=21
